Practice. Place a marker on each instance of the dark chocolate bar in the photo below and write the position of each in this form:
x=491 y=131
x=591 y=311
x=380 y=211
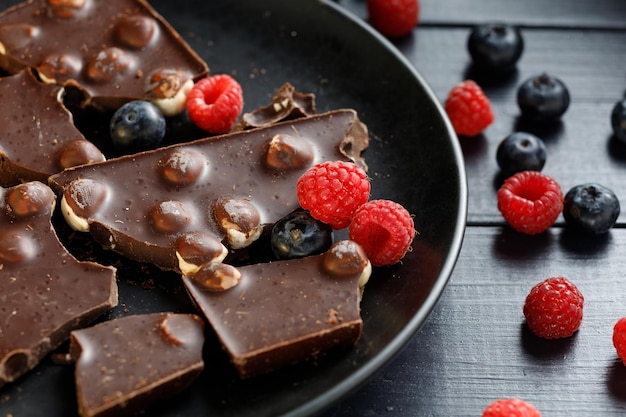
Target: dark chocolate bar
x=45 y=293
x=173 y=206
x=113 y=51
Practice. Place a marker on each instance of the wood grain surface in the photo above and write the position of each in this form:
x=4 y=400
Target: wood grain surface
x=475 y=346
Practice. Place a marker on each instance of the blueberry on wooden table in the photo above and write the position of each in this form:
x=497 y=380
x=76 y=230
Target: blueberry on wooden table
x=618 y=120
x=521 y=151
x=591 y=208
x=495 y=46
x=543 y=97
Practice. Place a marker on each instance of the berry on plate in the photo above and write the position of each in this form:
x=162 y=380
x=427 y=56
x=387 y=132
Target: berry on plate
x=591 y=208
x=619 y=338
x=215 y=103
x=510 y=407
x=618 y=120
x=136 y=126
x=468 y=108
x=384 y=229
x=495 y=46
x=554 y=308
x=393 y=18
x=332 y=191
x=521 y=151
x=298 y=234
x=543 y=97
x=530 y=201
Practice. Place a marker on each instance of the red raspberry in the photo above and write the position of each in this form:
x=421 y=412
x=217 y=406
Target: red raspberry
x=215 y=103
x=554 y=308
x=511 y=407
x=619 y=338
x=530 y=201
x=468 y=109
x=332 y=191
x=384 y=229
x=393 y=18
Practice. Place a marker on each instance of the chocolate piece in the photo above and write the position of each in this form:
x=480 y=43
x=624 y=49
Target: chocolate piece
x=287 y=104
x=284 y=312
x=113 y=51
x=45 y=293
x=125 y=364
x=37 y=134
x=140 y=205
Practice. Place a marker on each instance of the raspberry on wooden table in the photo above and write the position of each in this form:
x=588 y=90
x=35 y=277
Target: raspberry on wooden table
x=215 y=103
x=384 y=229
x=619 y=338
x=393 y=18
x=332 y=191
x=511 y=407
x=554 y=308
x=530 y=201
x=468 y=108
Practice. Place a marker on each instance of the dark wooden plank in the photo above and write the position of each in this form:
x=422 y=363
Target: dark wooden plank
x=475 y=346
x=605 y=14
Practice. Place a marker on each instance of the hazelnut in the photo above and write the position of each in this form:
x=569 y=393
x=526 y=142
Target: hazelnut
x=82 y=198
x=182 y=167
x=169 y=89
x=216 y=276
x=107 y=64
x=30 y=199
x=170 y=216
x=195 y=249
x=345 y=258
x=135 y=31
x=66 y=8
x=79 y=152
x=181 y=329
x=15 y=247
x=239 y=219
x=56 y=68
x=286 y=152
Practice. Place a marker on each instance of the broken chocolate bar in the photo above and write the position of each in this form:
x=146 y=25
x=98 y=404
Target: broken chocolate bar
x=37 y=134
x=173 y=206
x=112 y=51
x=272 y=315
x=125 y=364
x=45 y=293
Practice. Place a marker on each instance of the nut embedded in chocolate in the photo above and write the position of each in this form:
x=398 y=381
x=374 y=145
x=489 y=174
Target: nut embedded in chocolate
x=182 y=166
x=55 y=69
x=195 y=249
x=79 y=152
x=66 y=8
x=135 y=31
x=15 y=247
x=346 y=258
x=285 y=152
x=239 y=219
x=81 y=199
x=216 y=276
x=30 y=199
x=108 y=64
x=170 y=216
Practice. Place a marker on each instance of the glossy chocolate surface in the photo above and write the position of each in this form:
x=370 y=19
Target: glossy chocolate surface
x=122 y=365
x=143 y=205
x=37 y=134
x=281 y=313
x=45 y=293
x=113 y=50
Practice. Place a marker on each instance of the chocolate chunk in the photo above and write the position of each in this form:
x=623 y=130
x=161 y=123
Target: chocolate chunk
x=125 y=364
x=282 y=312
x=45 y=293
x=140 y=205
x=37 y=134
x=112 y=51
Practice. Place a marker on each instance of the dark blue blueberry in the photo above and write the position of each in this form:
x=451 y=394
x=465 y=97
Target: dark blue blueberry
x=618 y=120
x=590 y=208
x=298 y=234
x=136 y=126
x=495 y=46
x=543 y=97
x=521 y=151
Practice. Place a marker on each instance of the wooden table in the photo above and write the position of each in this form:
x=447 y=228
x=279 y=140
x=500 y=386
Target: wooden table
x=475 y=346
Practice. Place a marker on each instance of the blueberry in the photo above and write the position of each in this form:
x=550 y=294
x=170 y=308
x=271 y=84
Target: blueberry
x=495 y=46
x=137 y=125
x=543 y=97
x=618 y=120
x=521 y=151
x=590 y=208
x=299 y=234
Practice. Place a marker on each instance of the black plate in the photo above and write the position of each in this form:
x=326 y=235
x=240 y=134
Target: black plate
x=414 y=158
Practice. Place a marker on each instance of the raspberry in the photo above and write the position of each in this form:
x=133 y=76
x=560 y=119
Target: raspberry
x=511 y=407
x=554 y=308
x=393 y=18
x=530 y=201
x=468 y=109
x=332 y=191
x=215 y=103
x=384 y=229
x=619 y=338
